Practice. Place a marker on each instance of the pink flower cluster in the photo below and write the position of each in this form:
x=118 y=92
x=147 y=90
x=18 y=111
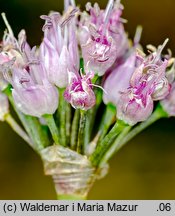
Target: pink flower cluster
x=132 y=80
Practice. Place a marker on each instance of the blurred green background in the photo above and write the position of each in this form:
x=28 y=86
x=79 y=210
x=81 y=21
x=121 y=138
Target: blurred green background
x=145 y=167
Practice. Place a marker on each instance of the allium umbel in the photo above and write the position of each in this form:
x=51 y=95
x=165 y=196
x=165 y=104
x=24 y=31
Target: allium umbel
x=57 y=90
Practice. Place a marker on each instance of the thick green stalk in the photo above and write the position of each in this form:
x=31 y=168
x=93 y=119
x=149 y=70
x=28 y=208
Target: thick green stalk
x=62 y=117
x=105 y=144
x=81 y=132
x=74 y=129
x=52 y=126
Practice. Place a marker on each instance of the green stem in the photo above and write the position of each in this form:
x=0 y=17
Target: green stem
x=14 y=125
x=52 y=126
x=91 y=117
x=80 y=145
x=107 y=120
x=68 y=123
x=70 y=197
x=62 y=117
x=115 y=145
x=124 y=137
x=156 y=115
x=105 y=144
x=74 y=129
x=31 y=125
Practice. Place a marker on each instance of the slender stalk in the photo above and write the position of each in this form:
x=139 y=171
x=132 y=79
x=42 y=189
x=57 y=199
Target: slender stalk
x=115 y=145
x=62 y=117
x=157 y=114
x=52 y=126
x=91 y=117
x=14 y=125
x=31 y=125
x=88 y=127
x=68 y=123
x=107 y=120
x=74 y=129
x=105 y=144
x=125 y=136
x=80 y=145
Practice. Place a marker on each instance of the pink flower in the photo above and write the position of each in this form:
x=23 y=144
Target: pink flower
x=33 y=95
x=153 y=71
x=79 y=91
x=32 y=92
x=102 y=37
x=14 y=48
x=59 y=49
x=148 y=83
x=134 y=106
x=119 y=79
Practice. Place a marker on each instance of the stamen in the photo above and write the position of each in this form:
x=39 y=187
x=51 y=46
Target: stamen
x=159 y=51
x=68 y=16
x=108 y=10
x=7 y=24
x=100 y=87
x=72 y=2
x=66 y=5
x=106 y=17
x=137 y=35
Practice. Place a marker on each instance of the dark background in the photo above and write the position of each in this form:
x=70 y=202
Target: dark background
x=145 y=167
